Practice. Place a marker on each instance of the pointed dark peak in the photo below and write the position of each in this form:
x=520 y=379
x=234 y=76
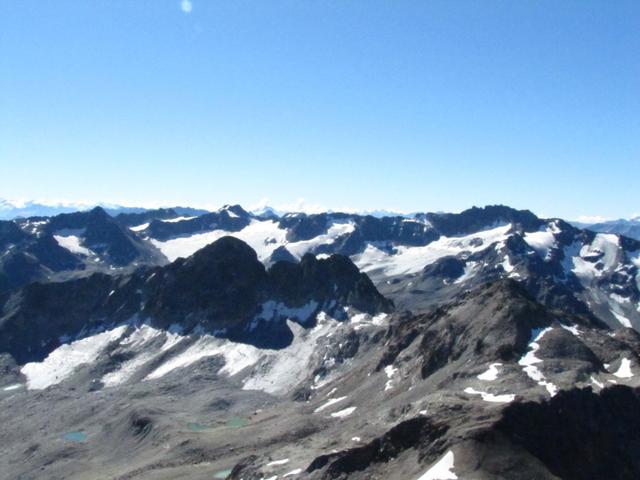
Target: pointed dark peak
x=78 y=220
x=227 y=248
x=98 y=212
x=234 y=211
x=281 y=254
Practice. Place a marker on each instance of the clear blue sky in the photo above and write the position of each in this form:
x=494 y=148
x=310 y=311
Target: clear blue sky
x=410 y=105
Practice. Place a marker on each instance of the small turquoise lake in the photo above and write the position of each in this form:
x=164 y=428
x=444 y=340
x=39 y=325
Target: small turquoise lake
x=237 y=422
x=77 y=437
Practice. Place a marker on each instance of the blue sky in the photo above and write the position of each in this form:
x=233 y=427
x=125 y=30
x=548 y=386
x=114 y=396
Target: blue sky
x=407 y=105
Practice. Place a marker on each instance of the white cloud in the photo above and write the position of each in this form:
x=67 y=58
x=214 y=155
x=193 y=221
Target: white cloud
x=592 y=219
x=300 y=205
x=186 y=6
x=304 y=206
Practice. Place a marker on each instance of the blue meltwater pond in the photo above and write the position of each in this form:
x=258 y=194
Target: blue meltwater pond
x=237 y=422
x=75 y=437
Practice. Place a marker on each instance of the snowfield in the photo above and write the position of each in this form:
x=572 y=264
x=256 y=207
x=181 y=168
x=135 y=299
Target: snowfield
x=408 y=260
x=63 y=361
x=272 y=371
x=264 y=236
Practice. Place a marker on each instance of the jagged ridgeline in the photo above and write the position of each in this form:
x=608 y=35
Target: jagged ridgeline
x=417 y=261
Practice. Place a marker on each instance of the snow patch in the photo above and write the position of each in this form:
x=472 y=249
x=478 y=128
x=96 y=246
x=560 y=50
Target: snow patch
x=442 y=469
x=625 y=369
x=529 y=360
x=506 y=264
x=330 y=402
x=10 y=388
x=177 y=219
x=278 y=462
x=73 y=243
x=542 y=242
x=344 y=413
x=272 y=310
x=491 y=373
x=139 y=228
x=390 y=370
x=297 y=471
x=572 y=328
x=624 y=321
x=490 y=397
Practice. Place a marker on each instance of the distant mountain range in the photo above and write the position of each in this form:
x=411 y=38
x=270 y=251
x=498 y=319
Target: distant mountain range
x=628 y=228
x=10 y=210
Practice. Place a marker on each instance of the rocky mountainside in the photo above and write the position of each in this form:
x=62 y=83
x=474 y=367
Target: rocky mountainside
x=222 y=289
x=628 y=228
x=489 y=344
x=492 y=385
x=67 y=245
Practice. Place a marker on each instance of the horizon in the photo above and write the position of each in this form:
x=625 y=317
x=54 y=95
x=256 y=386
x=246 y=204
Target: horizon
x=300 y=206
x=407 y=107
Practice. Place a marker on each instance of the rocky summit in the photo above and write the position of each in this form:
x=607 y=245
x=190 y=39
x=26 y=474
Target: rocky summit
x=176 y=343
